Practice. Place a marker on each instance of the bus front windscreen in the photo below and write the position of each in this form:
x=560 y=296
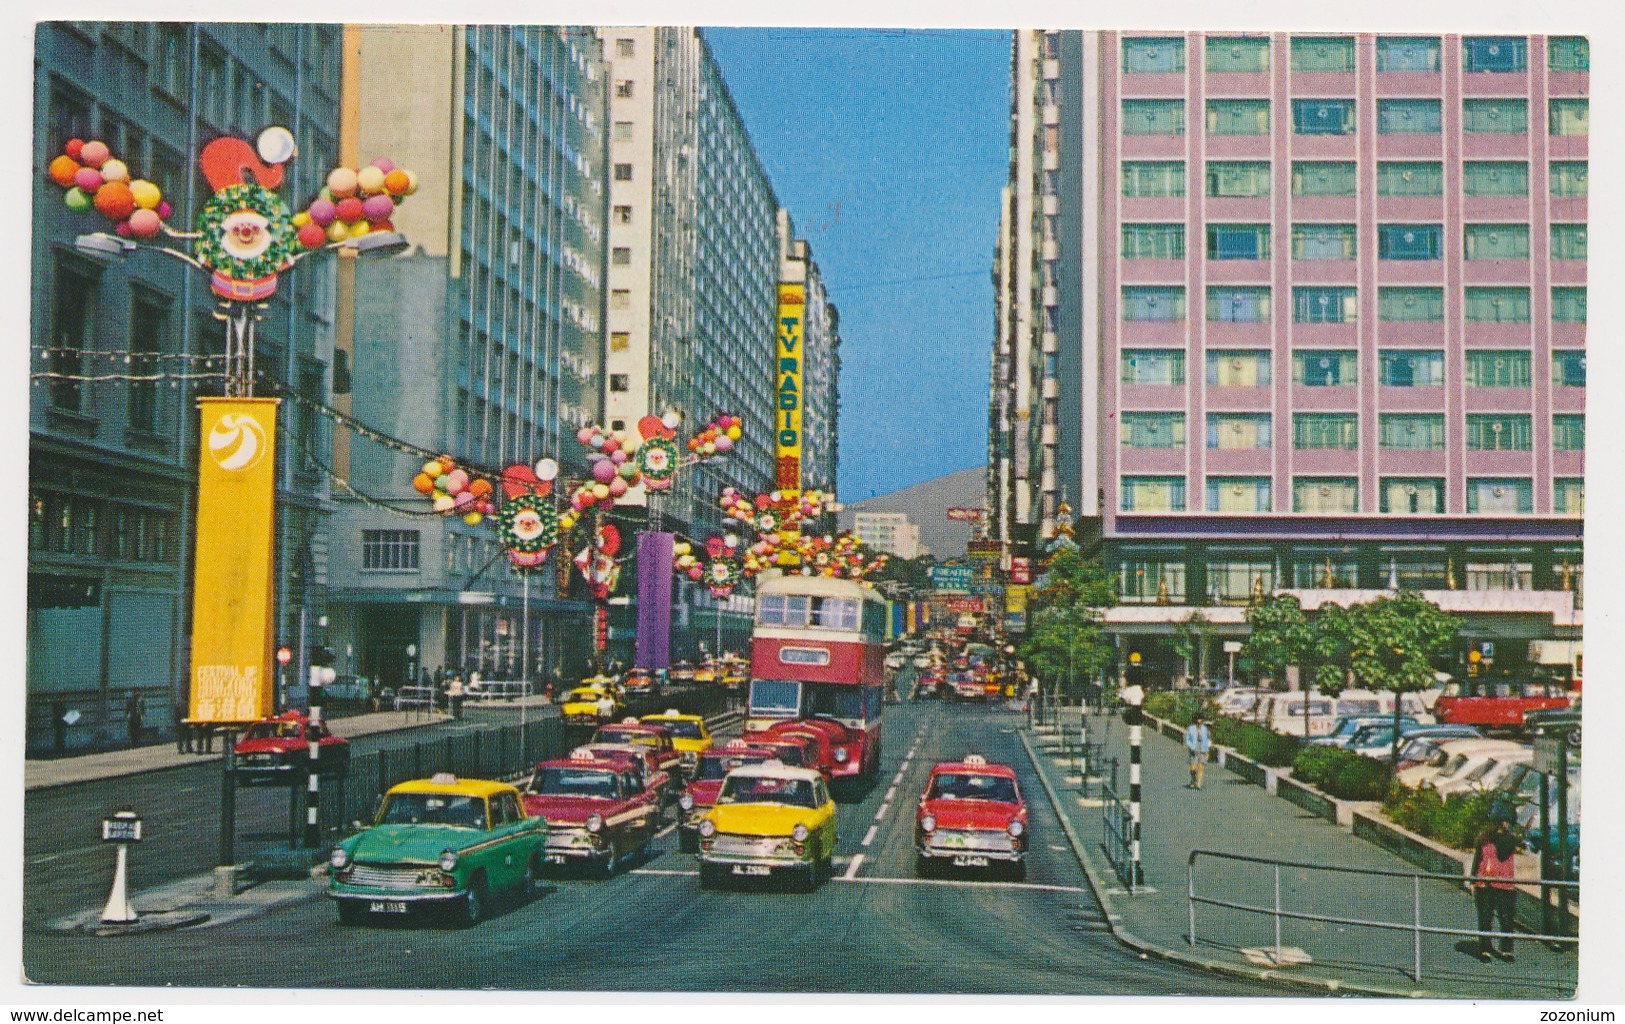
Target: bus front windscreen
x=775 y=698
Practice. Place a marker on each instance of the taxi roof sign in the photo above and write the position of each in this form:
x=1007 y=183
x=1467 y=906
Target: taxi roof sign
x=443 y=779
x=976 y=761
x=583 y=754
x=737 y=744
x=630 y=720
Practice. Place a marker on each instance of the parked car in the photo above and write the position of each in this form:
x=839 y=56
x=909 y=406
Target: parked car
x=1347 y=725
x=1381 y=702
x=348 y=688
x=1378 y=740
x=1453 y=759
x=1238 y=700
x=1481 y=774
x=1284 y=713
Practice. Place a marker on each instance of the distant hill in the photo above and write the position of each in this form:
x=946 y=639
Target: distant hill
x=926 y=504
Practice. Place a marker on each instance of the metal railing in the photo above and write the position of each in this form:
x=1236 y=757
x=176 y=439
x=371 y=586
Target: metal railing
x=1119 y=830
x=1414 y=926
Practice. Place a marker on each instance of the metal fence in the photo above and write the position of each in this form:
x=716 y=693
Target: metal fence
x=1119 y=829
x=1397 y=889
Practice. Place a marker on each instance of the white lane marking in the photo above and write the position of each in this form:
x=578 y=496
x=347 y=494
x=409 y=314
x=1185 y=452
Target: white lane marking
x=891 y=793
x=852 y=869
x=666 y=831
x=965 y=883
x=897 y=781
x=904 y=766
x=869 y=836
x=57 y=856
x=882 y=812
x=661 y=871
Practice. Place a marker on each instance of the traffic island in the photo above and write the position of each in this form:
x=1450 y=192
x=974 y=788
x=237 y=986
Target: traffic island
x=149 y=921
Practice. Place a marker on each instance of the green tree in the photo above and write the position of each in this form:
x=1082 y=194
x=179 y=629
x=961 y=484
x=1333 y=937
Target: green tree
x=1279 y=635
x=1065 y=641
x=1325 y=660
x=1190 y=642
x=1394 y=642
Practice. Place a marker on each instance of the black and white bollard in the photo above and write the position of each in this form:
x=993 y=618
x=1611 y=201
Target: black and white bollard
x=1133 y=697
x=122 y=829
x=319 y=677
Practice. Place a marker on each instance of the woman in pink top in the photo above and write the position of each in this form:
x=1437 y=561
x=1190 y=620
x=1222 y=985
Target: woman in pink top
x=1493 y=891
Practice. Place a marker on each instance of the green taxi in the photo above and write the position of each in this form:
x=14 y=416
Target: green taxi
x=441 y=842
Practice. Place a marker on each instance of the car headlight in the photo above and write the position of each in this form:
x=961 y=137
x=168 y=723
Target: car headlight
x=1016 y=828
x=928 y=824
x=448 y=860
x=686 y=802
x=840 y=755
x=799 y=833
x=595 y=822
x=708 y=828
x=339 y=858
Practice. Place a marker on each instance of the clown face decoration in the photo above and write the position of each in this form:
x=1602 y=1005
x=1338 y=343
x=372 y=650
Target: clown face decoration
x=529 y=527
x=245 y=233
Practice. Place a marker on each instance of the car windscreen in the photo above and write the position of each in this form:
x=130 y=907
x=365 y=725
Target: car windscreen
x=1361 y=706
x=1452 y=766
x=633 y=736
x=272 y=731
x=713 y=768
x=1481 y=771
x=433 y=809
x=682 y=730
x=589 y=782
x=972 y=786
x=766 y=789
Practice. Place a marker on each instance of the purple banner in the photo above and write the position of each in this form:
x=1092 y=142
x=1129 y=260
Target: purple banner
x=652 y=649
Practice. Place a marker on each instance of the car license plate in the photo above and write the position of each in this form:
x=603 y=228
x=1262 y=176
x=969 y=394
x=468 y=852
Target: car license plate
x=966 y=861
x=556 y=858
x=387 y=906
x=750 y=869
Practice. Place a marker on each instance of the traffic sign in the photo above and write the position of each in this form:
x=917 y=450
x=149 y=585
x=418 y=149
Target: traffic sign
x=283 y=655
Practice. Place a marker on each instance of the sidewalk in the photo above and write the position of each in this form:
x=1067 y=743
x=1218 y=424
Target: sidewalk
x=1229 y=815
x=64 y=771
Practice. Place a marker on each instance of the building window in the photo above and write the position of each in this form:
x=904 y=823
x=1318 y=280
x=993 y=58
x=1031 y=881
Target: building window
x=1152 y=430
x=146 y=334
x=1568 y=304
x=1237 y=53
x=1498 y=432
x=623 y=89
x=1411 y=432
x=1153 y=117
x=1153 y=178
x=1326 y=495
x=1498 y=116
x=1153 y=366
x=1238 y=117
x=1233 y=581
x=1238 y=431
x=620 y=298
x=1411 y=368
x=1409 y=241
x=1143 y=55
x=1569 y=368
x=619 y=382
x=1238 y=241
x=1322 y=53
x=1323 y=117
x=1412 y=495
x=1499 y=496
x=1324 y=368
x=625 y=47
x=622 y=132
x=1495 y=178
x=1408 y=117
x=1568 y=53
x=1570 y=116
x=1312 y=430
x=1324 y=305
x=1162 y=303
x=1153 y=494
x=619 y=341
x=1238 y=494
x=1153 y=241
x=1495 y=241
x=1497 y=305
x=71 y=315
x=1323 y=178
x=1238 y=367
x=1482 y=575
x=1569 y=432
x=1568 y=241
x=389 y=550
x=1248 y=179
x=1568 y=178
x=1413 y=305
x=1569 y=495
x=1494 y=53
x=621 y=256
x=623 y=215
x=1335 y=570
x=623 y=172
x=1407 y=53
x=1410 y=178
x=1323 y=242
x=1496 y=369
x=1238 y=304
x=1143 y=582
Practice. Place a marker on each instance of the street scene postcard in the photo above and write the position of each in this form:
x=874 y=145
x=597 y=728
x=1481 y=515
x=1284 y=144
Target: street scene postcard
x=557 y=508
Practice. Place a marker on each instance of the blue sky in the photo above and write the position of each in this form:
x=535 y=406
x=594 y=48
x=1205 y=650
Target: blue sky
x=889 y=147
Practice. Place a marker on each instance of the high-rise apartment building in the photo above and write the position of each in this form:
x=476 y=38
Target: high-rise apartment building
x=1340 y=336
x=820 y=361
x=893 y=532
x=483 y=341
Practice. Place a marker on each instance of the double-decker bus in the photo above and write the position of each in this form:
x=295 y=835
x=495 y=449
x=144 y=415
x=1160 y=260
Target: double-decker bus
x=818 y=653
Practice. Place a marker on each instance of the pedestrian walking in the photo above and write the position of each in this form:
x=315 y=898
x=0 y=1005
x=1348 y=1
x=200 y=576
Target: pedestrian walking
x=59 y=726
x=1198 y=741
x=454 y=697
x=1493 y=891
x=132 y=718
x=183 y=728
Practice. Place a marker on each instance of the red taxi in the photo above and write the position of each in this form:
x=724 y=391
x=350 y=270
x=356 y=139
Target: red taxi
x=597 y=810
x=661 y=785
x=701 y=793
x=276 y=751
x=640 y=682
x=971 y=816
x=642 y=734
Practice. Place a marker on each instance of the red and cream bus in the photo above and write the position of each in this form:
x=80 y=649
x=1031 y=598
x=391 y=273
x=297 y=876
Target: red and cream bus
x=818 y=652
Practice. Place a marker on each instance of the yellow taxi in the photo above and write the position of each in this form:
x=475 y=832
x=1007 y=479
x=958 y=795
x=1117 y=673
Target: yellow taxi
x=608 y=684
x=589 y=706
x=706 y=671
x=769 y=819
x=688 y=734
x=734 y=673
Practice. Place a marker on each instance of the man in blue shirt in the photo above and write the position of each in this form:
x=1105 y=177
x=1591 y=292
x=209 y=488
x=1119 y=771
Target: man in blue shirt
x=1197 y=743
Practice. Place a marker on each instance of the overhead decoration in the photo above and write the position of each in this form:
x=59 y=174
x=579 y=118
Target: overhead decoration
x=596 y=561
x=620 y=460
x=719 y=569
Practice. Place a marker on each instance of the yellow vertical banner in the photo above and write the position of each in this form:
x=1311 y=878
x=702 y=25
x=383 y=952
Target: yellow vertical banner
x=788 y=350
x=231 y=580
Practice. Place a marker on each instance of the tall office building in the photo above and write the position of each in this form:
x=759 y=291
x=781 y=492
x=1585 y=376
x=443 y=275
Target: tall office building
x=1340 y=337
x=483 y=341
x=892 y=532
x=113 y=433
x=820 y=361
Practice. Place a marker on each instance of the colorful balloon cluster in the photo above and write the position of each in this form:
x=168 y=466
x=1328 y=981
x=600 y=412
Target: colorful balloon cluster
x=718 y=437
x=453 y=491
x=355 y=202
x=719 y=570
x=620 y=460
x=94 y=178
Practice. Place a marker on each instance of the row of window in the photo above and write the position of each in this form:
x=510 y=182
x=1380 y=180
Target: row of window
x=1409 y=431
x=1231 y=575
x=1566 y=116
x=72 y=524
x=1338 y=304
x=1250 y=179
x=1166 y=54
x=1341 y=495
x=1323 y=241
x=1396 y=368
